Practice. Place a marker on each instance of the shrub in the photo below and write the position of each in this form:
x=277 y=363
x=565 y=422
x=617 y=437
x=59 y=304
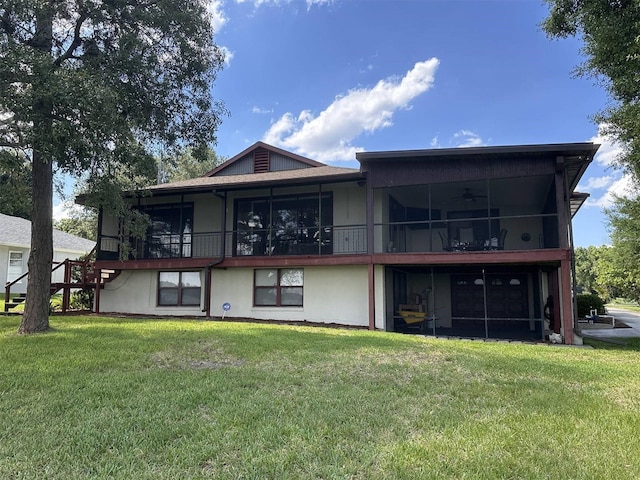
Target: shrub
x=588 y=302
x=81 y=300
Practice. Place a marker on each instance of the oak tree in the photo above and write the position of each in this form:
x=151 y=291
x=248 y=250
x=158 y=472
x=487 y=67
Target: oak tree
x=92 y=89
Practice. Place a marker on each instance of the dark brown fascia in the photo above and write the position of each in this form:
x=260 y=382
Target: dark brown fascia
x=347 y=177
x=582 y=149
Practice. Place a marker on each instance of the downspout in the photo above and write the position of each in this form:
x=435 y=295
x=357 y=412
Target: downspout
x=209 y=266
x=370 y=249
x=484 y=298
x=99 y=237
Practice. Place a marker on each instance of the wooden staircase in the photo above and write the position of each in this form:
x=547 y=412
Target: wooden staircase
x=78 y=275
x=15 y=301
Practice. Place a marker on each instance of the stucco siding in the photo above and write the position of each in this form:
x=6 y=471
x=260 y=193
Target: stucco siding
x=136 y=292
x=331 y=295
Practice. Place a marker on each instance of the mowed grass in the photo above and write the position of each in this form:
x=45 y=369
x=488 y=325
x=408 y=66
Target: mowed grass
x=175 y=399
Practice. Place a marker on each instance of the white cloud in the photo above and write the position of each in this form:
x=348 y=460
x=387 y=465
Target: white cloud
x=597 y=183
x=62 y=210
x=609 y=149
x=309 y=3
x=623 y=187
x=467 y=138
x=228 y=55
x=328 y=136
x=216 y=15
x=616 y=183
x=261 y=110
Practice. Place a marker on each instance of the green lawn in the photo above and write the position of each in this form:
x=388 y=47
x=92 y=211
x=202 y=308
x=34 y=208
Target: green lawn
x=175 y=399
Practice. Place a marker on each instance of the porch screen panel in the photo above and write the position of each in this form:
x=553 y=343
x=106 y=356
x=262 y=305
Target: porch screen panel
x=286 y=225
x=170 y=231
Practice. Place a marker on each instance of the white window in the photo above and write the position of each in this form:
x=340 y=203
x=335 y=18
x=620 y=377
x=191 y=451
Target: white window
x=16 y=267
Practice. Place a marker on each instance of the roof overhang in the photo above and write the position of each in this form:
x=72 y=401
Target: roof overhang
x=585 y=150
x=576 y=201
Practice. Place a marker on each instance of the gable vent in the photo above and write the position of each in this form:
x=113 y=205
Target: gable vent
x=260 y=160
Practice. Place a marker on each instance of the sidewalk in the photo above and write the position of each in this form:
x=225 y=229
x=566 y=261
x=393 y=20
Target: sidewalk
x=629 y=318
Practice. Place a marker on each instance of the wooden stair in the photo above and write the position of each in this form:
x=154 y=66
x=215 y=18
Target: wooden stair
x=88 y=280
x=15 y=301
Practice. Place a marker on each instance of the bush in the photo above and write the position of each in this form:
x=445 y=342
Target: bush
x=81 y=300
x=588 y=302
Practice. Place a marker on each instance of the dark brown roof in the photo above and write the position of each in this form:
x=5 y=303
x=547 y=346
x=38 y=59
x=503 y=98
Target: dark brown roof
x=324 y=173
x=582 y=149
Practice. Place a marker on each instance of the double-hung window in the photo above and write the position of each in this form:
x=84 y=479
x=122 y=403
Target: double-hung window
x=179 y=289
x=279 y=287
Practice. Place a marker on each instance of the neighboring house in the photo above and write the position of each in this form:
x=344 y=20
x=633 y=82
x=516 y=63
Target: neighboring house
x=464 y=242
x=15 y=243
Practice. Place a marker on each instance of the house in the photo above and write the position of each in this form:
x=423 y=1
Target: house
x=470 y=242
x=15 y=243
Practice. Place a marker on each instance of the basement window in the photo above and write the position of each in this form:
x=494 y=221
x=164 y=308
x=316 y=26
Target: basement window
x=278 y=287
x=180 y=289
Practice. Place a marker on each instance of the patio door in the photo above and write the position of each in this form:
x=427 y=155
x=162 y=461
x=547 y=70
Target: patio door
x=506 y=296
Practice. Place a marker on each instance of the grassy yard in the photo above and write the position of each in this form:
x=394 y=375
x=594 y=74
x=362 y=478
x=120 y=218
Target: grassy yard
x=166 y=399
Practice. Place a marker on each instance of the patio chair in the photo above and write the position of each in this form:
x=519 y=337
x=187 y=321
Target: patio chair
x=445 y=242
x=503 y=234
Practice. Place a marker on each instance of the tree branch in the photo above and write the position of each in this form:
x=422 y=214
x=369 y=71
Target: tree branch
x=76 y=42
x=7 y=120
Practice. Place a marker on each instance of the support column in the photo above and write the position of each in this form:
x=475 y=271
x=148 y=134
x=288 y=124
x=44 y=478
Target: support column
x=566 y=304
x=96 y=296
x=372 y=298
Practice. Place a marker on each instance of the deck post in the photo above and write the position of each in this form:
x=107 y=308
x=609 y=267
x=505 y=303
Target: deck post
x=372 y=297
x=66 y=290
x=567 y=301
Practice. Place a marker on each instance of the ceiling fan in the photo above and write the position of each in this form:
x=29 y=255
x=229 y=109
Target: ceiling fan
x=469 y=196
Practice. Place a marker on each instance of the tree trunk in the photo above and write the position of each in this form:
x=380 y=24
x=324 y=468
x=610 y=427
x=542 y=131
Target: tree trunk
x=36 y=309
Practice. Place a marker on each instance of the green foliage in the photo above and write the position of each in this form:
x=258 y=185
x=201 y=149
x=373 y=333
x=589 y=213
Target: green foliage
x=81 y=300
x=15 y=184
x=587 y=260
x=619 y=268
x=187 y=164
x=174 y=399
x=93 y=89
x=82 y=222
x=587 y=302
x=610 y=31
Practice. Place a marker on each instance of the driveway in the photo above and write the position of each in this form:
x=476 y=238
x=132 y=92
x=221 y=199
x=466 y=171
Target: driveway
x=630 y=318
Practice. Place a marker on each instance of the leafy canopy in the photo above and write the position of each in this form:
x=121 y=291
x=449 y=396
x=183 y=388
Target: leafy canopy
x=121 y=77
x=610 y=30
x=15 y=184
x=187 y=164
x=93 y=88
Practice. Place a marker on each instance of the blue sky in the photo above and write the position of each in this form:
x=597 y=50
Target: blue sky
x=327 y=78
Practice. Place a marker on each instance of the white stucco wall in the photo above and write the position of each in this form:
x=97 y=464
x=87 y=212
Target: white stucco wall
x=331 y=295
x=136 y=292
x=336 y=294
